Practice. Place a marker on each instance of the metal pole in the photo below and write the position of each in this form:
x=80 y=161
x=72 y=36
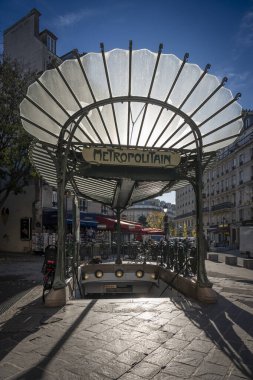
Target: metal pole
x=59 y=279
x=201 y=246
x=118 y=259
x=76 y=238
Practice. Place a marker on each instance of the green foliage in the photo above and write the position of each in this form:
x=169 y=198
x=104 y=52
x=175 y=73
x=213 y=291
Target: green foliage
x=155 y=219
x=143 y=220
x=185 y=234
x=15 y=169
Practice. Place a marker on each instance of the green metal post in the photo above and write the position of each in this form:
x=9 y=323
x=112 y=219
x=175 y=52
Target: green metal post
x=59 y=280
x=76 y=238
x=118 y=259
x=201 y=246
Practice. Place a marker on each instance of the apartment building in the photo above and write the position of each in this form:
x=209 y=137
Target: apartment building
x=227 y=192
x=144 y=208
x=34 y=50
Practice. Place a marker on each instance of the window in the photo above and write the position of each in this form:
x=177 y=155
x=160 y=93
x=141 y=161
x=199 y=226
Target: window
x=240 y=197
x=83 y=205
x=241 y=177
x=104 y=209
x=51 y=44
x=54 y=198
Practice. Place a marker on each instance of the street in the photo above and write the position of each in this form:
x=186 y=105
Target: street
x=18 y=273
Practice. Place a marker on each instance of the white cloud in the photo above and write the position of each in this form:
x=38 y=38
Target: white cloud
x=75 y=17
x=245 y=33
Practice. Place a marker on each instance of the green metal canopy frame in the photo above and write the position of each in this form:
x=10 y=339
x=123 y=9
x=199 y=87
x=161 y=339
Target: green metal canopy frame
x=126 y=99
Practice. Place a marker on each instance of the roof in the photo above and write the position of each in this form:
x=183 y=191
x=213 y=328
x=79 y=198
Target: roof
x=137 y=104
x=32 y=12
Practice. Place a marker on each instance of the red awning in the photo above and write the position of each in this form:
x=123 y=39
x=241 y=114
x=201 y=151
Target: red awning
x=152 y=231
x=125 y=226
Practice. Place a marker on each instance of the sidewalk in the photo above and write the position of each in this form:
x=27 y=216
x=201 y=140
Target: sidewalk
x=134 y=339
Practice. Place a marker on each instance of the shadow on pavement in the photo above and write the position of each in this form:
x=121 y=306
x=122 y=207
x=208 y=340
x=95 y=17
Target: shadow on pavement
x=40 y=315
x=219 y=323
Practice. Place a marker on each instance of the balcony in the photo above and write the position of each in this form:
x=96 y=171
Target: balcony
x=222 y=206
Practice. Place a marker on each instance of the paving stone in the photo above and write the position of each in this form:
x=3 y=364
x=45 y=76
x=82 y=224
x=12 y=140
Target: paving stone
x=31 y=359
x=112 y=322
x=7 y=344
x=185 y=335
x=171 y=328
x=8 y=369
x=130 y=376
x=81 y=368
x=90 y=343
x=200 y=346
x=165 y=376
x=181 y=322
x=67 y=375
x=74 y=358
x=145 y=346
x=98 y=328
x=192 y=358
x=183 y=371
x=175 y=344
x=110 y=335
x=211 y=371
x=159 y=336
x=118 y=346
x=246 y=355
x=145 y=370
x=100 y=356
x=242 y=372
x=130 y=357
x=52 y=365
x=71 y=349
x=134 y=322
x=114 y=369
x=161 y=356
x=148 y=315
x=166 y=314
x=217 y=356
x=34 y=373
x=147 y=327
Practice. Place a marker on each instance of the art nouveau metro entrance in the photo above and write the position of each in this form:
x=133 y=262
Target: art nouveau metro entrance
x=122 y=126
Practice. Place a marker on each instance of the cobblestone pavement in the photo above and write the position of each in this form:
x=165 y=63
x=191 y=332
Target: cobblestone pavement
x=18 y=273
x=134 y=339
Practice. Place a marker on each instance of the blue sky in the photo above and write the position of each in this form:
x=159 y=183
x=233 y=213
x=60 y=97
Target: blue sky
x=219 y=32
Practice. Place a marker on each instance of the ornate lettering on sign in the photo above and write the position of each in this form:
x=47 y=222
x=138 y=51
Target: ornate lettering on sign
x=130 y=157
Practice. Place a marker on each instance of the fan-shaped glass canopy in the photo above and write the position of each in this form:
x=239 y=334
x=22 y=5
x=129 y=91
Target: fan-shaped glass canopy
x=133 y=102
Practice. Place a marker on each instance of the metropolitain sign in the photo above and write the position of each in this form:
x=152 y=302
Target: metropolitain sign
x=131 y=157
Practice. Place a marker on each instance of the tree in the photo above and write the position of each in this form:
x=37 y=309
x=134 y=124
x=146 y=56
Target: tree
x=155 y=219
x=143 y=220
x=15 y=168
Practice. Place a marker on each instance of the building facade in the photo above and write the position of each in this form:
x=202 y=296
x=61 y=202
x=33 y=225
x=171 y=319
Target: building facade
x=140 y=211
x=34 y=50
x=227 y=193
